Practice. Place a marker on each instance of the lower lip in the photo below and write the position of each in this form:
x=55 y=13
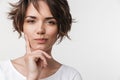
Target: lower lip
x=41 y=41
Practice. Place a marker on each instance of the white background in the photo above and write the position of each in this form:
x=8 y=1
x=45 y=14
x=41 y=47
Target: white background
x=95 y=46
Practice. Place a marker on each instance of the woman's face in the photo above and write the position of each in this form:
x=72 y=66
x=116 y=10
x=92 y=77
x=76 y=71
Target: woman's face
x=40 y=27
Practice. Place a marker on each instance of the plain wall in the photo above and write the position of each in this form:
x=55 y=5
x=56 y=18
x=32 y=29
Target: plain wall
x=95 y=46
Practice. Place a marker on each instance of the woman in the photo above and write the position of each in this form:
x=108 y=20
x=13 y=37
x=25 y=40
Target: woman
x=42 y=22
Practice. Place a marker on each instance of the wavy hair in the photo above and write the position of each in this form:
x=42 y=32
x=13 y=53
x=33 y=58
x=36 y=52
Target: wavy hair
x=58 y=8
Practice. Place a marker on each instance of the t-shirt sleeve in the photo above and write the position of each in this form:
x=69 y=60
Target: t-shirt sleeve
x=1 y=74
x=77 y=76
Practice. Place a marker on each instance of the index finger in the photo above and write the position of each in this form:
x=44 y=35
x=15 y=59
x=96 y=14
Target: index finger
x=28 y=50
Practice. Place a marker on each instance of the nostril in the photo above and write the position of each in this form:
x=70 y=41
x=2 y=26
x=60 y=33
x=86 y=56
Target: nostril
x=41 y=32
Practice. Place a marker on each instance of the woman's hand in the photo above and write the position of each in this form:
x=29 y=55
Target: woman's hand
x=35 y=61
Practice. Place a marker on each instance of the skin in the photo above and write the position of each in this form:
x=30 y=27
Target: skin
x=40 y=31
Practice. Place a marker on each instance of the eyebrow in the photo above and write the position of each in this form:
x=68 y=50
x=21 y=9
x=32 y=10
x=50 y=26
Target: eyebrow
x=47 y=18
x=30 y=17
x=33 y=17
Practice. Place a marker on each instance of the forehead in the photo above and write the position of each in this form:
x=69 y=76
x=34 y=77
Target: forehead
x=43 y=9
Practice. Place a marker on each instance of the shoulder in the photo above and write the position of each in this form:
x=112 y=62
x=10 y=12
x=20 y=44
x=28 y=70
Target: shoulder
x=4 y=65
x=71 y=72
x=69 y=69
x=4 y=68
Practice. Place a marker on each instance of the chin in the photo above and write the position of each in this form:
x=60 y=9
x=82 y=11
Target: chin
x=44 y=48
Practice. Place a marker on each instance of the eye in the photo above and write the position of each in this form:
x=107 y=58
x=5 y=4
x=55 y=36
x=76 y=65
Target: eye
x=30 y=21
x=51 y=22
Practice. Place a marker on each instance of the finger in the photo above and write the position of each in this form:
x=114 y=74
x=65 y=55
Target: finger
x=43 y=62
x=28 y=50
x=44 y=53
x=43 y=65
x=41 y=59
x=47 y=55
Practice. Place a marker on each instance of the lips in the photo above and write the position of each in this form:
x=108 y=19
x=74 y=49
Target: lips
x=41 y=40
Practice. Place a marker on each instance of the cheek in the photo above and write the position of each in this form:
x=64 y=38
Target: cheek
x=27 y=32
x=53 y=33
x=53 y=36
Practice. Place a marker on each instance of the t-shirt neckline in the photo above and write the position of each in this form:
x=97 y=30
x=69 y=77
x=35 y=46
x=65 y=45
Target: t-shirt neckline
x=17 y=72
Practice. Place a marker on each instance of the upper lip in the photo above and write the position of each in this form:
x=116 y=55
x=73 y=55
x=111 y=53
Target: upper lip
x=41 y=40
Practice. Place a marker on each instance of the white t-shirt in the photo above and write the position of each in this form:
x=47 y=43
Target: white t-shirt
x=8 y=72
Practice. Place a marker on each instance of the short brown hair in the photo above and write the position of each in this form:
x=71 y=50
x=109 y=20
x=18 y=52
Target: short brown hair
x=59 y=9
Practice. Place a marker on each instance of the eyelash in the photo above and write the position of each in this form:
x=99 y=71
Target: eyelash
x=30 y=21
x=51 y=22
x=48 y=22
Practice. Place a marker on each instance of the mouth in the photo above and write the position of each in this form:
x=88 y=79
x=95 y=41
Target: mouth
x=41 y=40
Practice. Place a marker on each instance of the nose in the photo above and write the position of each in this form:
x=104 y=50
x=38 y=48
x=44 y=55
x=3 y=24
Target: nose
x=40 y=29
